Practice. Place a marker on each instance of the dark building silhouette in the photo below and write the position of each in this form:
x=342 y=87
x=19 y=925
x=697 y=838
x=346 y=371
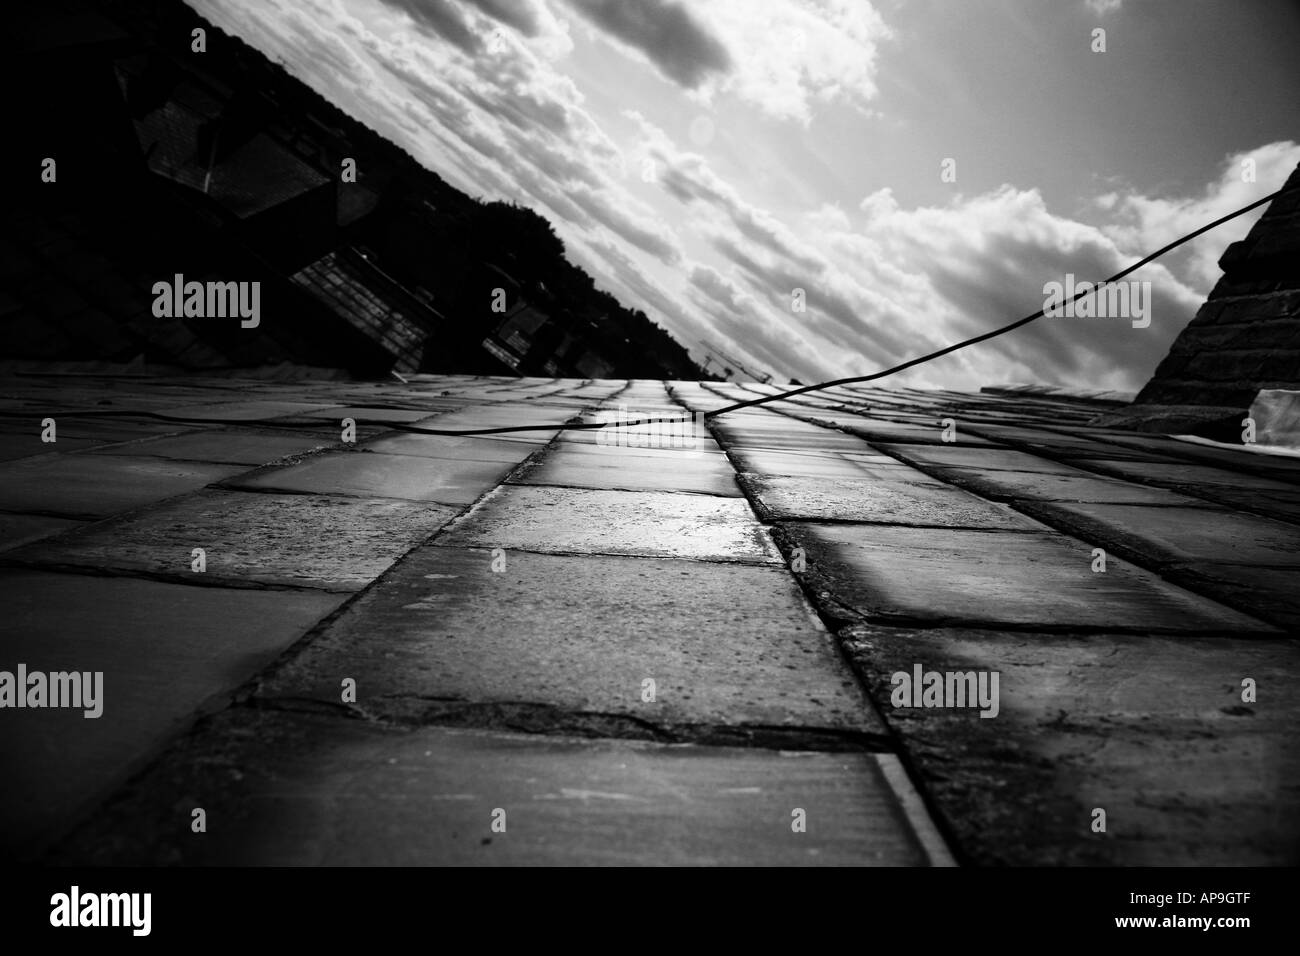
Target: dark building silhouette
x=220 y=167
x=1246 y=336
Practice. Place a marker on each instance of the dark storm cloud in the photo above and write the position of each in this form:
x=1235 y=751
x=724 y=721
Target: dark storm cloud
x=733 y=317
x=649 y=296
x=523 y=111
x=657 y=243
x=440 y=18
x=513 y=13
x=688 y=179
x=1005 y=282
x=832 y=313
x=676 y=43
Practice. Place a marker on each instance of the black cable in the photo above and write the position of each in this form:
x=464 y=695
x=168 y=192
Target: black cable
x=763 y=400
x=1004 y=329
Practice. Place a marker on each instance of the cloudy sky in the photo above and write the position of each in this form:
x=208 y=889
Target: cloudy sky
x=703 y=160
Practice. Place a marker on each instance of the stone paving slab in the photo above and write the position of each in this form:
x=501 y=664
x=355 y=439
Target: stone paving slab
x=1284 y=506
x=408 y=416
x=246 y=410
x=1183 y=474
x=706 y=452
x=1272 y=594
x=297 y=790
x=671 y=470
x=218 y=445
x=582 y=634
x=766 y=420
x=883 y=431
x=1167 y=445
x=95 y=486
x=767 y=416
x=28 y=444
x=165 y=651
x=951 y=577
x=1204 y=536
x=319 y=541
x=676 y=423
x=16 y=530
x=480 y=448
x=1065 y=444
x=784 y=417
x=579 y=520
x=447 y=481
x=1151 y=729
x=597 y=584
x=813 y=464
x=825 y=440
x=106 y=430
x=1277 y=467
x=573 y=402
x=882 y=502
x=985 y=459
x=1037 y=486
x=640 y=439
x=504 y=416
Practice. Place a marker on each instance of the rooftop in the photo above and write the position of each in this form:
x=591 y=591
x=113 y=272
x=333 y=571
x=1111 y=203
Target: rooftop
x=634 y=648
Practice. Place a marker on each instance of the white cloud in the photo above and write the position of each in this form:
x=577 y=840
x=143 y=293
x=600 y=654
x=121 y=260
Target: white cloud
x=888 y=283
x=1141 y=223
x=784 y=56
x=792 y=55
x=1103 y=7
